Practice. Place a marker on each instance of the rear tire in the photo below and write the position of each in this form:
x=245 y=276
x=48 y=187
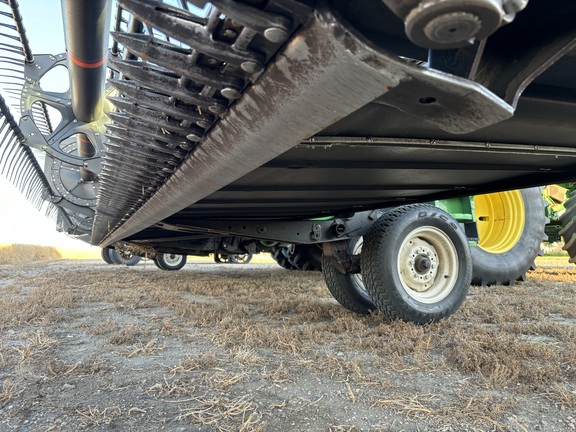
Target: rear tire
x=416 y=264
x=170 y=262
x=348 y=289
x=568 y=231
x=299 y=257
x=280 y=256
x=306 y=257
x=511 y=229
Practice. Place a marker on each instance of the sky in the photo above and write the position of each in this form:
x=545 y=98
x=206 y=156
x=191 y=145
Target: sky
x=20 y=222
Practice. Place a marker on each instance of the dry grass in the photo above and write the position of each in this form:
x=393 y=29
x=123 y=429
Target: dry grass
x=218 y=412
x=33 y=305
x=94 y=416
x=269 y=328
x=8 y=391
x=20 y=254
x=479 y=410
x=150 y=348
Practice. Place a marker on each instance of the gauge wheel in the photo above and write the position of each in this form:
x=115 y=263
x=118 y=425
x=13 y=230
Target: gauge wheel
x=416 y=264
x=511 y=229
x=170 y=261
x=348 y=289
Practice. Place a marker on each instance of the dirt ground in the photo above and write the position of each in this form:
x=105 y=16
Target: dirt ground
x=90 y=346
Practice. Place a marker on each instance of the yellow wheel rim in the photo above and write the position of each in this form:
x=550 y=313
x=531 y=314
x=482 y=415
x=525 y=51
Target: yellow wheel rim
x=500 y=219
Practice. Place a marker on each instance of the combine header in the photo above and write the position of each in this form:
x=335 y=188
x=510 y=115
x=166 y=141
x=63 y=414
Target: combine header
x=299 y=127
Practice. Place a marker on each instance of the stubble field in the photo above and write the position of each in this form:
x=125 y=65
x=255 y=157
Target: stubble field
x=89 y=346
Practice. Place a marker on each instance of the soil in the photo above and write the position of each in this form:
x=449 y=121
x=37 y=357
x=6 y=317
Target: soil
x=90 y=346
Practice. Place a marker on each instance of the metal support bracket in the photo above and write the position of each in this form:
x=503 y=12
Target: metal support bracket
x=341 y=257
x=297 y=232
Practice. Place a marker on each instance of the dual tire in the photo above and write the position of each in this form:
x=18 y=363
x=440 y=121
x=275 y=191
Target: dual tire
x=416 y=267
x=511 y=227
x=112 y=256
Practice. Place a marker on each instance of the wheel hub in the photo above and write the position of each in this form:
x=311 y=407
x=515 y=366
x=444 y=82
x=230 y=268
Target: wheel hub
x=427 y=264
x=172 y=259
x=421 y=266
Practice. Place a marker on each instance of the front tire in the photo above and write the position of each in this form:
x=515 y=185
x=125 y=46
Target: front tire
x=510 y=228
x=416 y=264
x=170 y=262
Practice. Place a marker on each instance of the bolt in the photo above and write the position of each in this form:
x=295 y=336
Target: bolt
x=193 y=137
x=229 y=33
x=230 y=93
x=275 y=34
x=217 y=109
x=251 y=67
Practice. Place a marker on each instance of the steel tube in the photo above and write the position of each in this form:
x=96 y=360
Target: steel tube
x=86 y=31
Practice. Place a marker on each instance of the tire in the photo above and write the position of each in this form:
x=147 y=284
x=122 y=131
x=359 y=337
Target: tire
x=170 y=262
x=132 y=261
x=568 y=231
x=511 y=229
x=416 y=264
x=220 y=259
x=240 y=258
x=105 y=254
x=348 y=289
x=115 y=257
x=280 y=255
x=306 y=257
